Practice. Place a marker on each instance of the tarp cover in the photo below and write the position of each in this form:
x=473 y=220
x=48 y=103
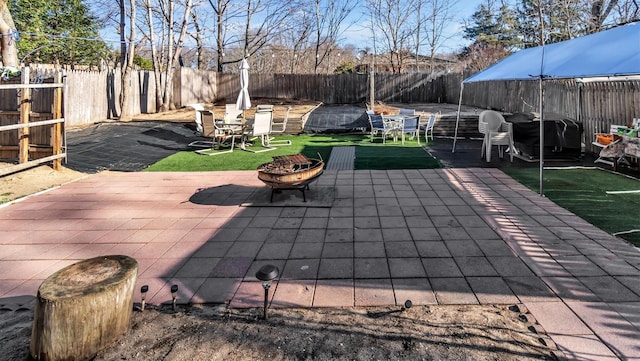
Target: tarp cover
x=614 y=52
x=562 y=135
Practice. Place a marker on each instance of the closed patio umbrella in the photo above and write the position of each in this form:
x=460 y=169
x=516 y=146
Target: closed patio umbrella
x=244 y=102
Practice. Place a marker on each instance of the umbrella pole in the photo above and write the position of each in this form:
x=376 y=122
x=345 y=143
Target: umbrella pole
x=243 y=128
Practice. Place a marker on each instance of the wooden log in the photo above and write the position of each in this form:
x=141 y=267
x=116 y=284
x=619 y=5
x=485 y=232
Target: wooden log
x=83 y=308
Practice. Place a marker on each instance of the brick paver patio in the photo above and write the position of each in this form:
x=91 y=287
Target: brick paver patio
x=448 y=236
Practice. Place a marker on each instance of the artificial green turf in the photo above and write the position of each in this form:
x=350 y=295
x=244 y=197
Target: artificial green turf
x=584 y=192
x=372 y=157
x=392 y=155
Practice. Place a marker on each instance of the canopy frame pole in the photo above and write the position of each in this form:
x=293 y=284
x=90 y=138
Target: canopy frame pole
x=455 y=134
x=541 y=100
x=541 y=107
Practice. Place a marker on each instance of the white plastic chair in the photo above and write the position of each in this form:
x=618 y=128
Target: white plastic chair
x=200 y=112
x=232 y=114
x=279 y=127
x=264 y=108
x=260 y=129
x=411 y=126
x=428 y=128
x=204 y=126
x=405 y=111
x=497 y=132
x=378 y=126
x=482 y=129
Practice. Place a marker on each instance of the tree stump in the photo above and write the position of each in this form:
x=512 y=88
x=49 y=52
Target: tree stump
x=82 y=308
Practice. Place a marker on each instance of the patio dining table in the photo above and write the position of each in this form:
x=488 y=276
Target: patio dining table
x=395 y=124
x=230 y=128
x=225 y=131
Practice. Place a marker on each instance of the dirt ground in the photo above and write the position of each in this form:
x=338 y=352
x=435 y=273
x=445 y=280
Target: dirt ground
x=34 y=180
x=216 y=333
x=209 y=332
x=298 y=109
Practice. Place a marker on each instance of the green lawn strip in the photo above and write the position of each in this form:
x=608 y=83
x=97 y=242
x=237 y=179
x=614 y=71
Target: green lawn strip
x=394 y=157
x=584 y=192
x=368 y=155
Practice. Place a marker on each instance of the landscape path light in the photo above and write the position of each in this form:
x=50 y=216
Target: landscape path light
x=174 y=295
x=143 y=294
x=266 y=274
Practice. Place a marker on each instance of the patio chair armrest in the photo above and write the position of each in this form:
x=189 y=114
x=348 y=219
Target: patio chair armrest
x=482 y=127
x=506 y=127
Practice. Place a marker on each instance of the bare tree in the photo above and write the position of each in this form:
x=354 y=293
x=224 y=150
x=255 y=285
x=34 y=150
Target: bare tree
x=626 y=11
x=197 y=36
x=391 y=19
x=432 y=18
x=122 y=29
x=479 y=56
x=165 y=60
x=245 y=29
x=8 y=47
x=127 y=56
x=567 y=19
x=294 y=40
x=263 y=20
x=155 y=56
x=330 y=16
x=224 y=13
x=293 y=49
x=600 y=11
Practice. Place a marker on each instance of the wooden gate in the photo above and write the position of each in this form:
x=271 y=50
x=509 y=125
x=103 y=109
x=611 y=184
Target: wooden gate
x=29 y=138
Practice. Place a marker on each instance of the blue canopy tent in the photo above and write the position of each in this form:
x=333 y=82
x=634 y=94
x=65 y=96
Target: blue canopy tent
x=612 y=54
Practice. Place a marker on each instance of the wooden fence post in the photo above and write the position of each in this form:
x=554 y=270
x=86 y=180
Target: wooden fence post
x=56 y=131
x=25 y=110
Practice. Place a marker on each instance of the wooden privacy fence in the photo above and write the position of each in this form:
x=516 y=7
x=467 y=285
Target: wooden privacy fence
x=596 y=104
x=31 y=137
x=194 y=86
x=335 y=88
x=92 y=96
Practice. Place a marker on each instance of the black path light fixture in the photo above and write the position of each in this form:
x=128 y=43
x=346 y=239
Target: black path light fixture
x=407 y=305
x=266 y=274
x=143 y=295
x=174 y=295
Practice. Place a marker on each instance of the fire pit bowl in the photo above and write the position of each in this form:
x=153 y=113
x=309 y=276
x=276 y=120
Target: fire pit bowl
x=290 y=172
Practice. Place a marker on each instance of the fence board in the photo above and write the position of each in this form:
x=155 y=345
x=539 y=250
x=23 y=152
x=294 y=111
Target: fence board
x=597 y=105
